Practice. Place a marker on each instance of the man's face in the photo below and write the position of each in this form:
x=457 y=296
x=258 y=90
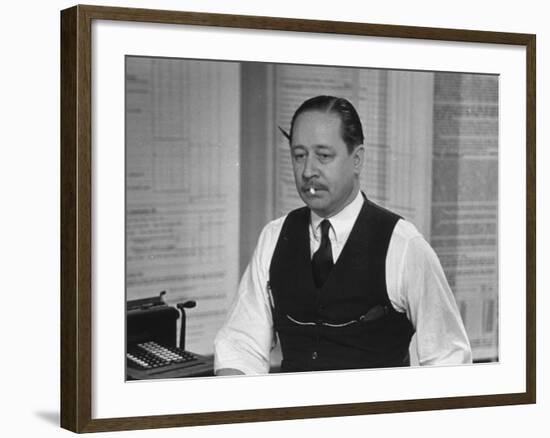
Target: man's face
x=321 y=161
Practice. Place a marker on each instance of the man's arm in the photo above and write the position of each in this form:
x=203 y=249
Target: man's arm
x=426 y=297
x=243 y=344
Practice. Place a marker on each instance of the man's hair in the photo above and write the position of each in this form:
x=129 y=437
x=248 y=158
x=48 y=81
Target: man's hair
x=351 y=129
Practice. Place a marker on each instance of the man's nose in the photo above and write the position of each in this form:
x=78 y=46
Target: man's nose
x=310 y=168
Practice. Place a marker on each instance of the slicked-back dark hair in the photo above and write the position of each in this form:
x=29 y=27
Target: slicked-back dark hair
x=351 y=129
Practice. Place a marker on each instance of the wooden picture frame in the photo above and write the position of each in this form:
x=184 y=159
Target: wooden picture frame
x=76 y=218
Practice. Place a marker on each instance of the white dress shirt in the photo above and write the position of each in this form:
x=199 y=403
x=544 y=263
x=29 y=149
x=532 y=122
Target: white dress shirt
x=415 y=283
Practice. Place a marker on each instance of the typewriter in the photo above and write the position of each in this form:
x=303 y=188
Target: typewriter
x=151 y=334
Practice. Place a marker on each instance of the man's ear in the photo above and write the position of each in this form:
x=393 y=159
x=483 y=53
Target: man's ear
x=358 y=158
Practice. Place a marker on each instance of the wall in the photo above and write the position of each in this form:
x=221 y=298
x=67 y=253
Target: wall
x=29 y=178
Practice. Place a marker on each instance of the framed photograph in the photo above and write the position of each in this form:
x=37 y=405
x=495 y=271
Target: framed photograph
x=193 y=147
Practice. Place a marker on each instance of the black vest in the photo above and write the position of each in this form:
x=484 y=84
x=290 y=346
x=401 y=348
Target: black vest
x=349 y=322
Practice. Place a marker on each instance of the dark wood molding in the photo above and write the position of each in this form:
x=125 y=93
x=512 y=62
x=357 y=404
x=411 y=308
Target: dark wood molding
x=76 y=238
x=531 y=213
x=300 y=25
x=69 y=328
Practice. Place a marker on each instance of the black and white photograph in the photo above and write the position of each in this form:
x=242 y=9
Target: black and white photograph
x=284 y=218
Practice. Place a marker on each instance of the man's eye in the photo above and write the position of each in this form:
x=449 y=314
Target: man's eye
x=324 y=157
x=299 y=157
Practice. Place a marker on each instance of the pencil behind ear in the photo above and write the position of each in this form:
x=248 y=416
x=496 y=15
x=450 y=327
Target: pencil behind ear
x=286 y=134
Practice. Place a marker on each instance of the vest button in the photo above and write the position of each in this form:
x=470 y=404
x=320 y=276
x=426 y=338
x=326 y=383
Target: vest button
x=314 y=355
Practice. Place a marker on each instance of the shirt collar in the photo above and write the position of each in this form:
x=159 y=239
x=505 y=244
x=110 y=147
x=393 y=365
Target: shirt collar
x=342 y=222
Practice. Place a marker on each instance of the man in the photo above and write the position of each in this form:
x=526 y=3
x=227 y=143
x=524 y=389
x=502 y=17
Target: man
x=343 y=283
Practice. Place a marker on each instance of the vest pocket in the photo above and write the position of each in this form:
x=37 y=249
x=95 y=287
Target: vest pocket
x=374 y=313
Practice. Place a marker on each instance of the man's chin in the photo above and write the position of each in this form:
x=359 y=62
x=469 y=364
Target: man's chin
x=316 y=204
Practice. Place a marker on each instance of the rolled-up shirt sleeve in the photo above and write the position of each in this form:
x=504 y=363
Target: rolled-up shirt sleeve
x=245 y=340
x=425 y=295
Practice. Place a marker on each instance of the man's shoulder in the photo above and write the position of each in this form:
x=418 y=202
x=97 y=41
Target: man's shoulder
x=275 y=225
x=271 y=230
x=405 y=231
x=406 y=239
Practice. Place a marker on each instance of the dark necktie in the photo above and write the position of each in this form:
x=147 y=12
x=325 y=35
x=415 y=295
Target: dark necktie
x=322 y=259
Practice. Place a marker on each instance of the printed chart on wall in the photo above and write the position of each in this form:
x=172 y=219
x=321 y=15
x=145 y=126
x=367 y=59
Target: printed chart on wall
x=465 y=200
x=182 y=187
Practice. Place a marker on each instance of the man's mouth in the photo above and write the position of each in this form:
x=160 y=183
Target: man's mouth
x=312 y=190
